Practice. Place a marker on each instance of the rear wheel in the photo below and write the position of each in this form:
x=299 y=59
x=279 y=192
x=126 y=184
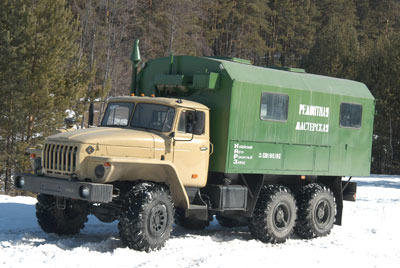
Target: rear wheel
x=147 y=217
x=67 y=221
x=317 y=211
x=274 y=215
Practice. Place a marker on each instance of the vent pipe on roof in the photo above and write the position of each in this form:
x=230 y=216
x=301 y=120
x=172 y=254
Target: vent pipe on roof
x=91 y=114
x=135 y=58
x=171 y=62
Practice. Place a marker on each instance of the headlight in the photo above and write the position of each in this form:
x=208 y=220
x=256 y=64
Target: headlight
x=99 y=171
x=84 y=191
x=19 y=182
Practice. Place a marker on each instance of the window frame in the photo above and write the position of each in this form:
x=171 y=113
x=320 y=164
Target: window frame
x=178 y=118
x=151 y=129
x=340 y=115
x=130 y=115
x=287 y=110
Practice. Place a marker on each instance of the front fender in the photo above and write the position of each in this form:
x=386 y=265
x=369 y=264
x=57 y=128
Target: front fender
x=132 y=169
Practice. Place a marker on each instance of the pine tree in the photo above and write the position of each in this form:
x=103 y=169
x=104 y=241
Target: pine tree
x=336 y=49
x=293 y=25
x=41 y=74
x=235 y=28
x=378 y=17
x=380 y=72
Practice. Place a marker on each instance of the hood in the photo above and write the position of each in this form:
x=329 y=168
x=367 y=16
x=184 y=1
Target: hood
x=107 y=136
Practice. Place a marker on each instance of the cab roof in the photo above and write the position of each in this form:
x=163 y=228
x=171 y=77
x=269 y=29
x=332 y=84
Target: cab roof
x=160 y=100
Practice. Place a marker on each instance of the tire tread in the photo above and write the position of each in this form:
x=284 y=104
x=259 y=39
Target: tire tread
x=132 y=223
x=258 y=226
x=306 y=197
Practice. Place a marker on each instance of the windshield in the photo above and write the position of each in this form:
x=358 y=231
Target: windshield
x=153 y=116
x=117 y=114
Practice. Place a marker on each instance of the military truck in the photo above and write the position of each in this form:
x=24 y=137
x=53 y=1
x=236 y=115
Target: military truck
x=205 y=137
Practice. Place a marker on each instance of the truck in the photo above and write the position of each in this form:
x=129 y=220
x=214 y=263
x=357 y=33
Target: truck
x=205 y=137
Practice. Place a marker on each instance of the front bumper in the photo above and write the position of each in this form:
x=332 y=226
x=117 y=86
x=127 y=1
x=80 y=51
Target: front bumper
x=93 y=192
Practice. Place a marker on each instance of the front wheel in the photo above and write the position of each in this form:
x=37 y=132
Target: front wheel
x=147 y=217
x=67 y=221
x=274 y=215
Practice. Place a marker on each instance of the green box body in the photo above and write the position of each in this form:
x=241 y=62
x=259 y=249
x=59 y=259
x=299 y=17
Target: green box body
x=243 y=142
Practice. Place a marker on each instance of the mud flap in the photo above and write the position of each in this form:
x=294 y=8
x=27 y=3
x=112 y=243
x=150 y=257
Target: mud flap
x=197 y=212
x=349 y=190
x=335 y=184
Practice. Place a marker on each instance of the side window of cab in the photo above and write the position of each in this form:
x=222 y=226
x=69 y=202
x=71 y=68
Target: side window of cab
x=191 y=121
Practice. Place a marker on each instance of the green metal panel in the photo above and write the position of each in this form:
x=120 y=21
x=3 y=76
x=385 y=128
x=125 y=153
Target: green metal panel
x=307 y=143
x=297 y=157
x=169 y=79
x=290 y=69
x=205 y=81
x=321 y=162
x=239 y=60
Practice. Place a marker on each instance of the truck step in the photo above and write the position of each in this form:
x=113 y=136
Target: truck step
x=199 y=212
x=197 y=207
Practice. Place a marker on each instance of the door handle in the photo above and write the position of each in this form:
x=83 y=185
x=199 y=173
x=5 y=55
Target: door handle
x=204 y=148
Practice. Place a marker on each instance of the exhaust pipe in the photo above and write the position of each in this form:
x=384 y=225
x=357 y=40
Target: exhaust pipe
x=91 y=114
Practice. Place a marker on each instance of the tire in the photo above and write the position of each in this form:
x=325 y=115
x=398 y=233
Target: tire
x=68 y=221
x=147 y=216
x=228 y=222
x=317 y=211
x=274 y=216
x=189 y=223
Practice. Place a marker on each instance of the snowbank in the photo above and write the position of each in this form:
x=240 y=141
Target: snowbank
x=369 y=237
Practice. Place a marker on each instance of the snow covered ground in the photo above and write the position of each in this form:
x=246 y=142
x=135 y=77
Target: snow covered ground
x=369 y=237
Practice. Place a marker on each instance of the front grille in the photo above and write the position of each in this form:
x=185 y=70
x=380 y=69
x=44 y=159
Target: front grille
x=60 y=158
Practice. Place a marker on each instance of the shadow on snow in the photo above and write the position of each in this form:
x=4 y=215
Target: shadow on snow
x=380 y=183
x=18 y=226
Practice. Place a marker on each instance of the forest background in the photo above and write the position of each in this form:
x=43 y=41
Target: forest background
x=63 y=54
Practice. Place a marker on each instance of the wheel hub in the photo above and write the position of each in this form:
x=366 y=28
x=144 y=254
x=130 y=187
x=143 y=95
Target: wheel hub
x=322 y=212
x=158 y=220
x=282 y=216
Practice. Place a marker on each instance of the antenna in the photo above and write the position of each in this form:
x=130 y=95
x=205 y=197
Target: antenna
x=135 y=58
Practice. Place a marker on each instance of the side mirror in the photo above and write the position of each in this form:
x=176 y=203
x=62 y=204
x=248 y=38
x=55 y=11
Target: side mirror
x=171 y=135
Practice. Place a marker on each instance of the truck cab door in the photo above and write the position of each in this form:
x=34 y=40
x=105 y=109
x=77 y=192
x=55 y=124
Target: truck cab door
x=192 y=147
